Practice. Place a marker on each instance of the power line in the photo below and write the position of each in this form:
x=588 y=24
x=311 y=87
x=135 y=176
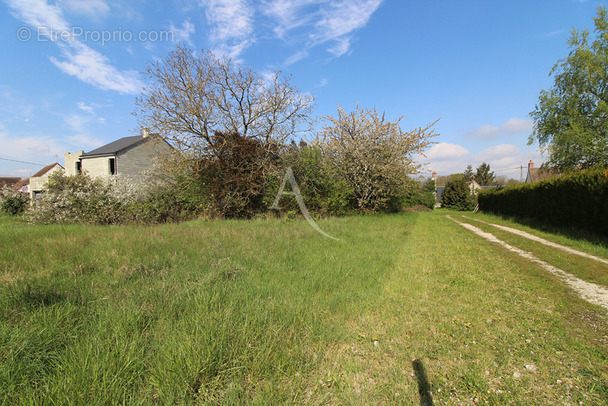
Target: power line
x=21 y=162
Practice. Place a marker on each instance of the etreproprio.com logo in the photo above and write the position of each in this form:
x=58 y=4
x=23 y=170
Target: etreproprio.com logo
x=47 y=34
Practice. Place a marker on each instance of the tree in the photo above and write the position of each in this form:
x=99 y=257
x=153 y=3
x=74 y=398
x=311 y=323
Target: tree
x=457 y=195
x=192 y=96
x=373 y=155
x=468 y=174
x=483 y=176
x=571 y=118
x=443 y=180
x=234 y=178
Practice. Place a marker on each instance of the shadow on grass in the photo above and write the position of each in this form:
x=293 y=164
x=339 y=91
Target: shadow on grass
x=569 y=232
x=424 y=388
x=37 y=295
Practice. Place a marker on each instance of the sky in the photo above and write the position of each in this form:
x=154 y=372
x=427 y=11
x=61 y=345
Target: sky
x=71 y=69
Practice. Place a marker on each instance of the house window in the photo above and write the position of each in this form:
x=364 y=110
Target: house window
x=112 y=166
x=78 y=167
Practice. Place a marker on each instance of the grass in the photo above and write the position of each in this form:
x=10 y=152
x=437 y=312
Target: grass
x=270 y=312
x=584 y=268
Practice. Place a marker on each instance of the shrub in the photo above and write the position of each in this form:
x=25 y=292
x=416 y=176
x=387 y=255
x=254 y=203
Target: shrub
x=421 y=195
x=12 y=202
x=234 y=174
x=78 y=199
x=457 y=195
x=322 y=190
x=578 y=200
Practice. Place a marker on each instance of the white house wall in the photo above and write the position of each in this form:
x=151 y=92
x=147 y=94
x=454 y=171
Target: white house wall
x=37 y=182
x=98 y=167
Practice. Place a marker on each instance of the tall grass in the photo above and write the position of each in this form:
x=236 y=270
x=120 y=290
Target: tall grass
x=270 y=312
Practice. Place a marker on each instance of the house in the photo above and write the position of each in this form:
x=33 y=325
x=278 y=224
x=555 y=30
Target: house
x=473 y=186
x=37 y=181
x=22 y=186
x=538 y=174
x=8 y=182
x=128 y=156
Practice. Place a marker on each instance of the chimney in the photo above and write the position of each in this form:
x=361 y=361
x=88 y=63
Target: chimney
x=144 y=132
x=530 y=165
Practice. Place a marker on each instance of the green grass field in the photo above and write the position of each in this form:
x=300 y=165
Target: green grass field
x=271 y=312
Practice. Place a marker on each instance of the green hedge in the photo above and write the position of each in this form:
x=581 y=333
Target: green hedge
x=578 y=200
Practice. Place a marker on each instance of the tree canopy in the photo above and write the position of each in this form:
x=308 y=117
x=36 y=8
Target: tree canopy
x=372 y=155
x=191 y=95
x=571 y=118
x=483 y=176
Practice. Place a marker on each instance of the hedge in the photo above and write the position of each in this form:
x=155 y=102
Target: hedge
x=578 y=200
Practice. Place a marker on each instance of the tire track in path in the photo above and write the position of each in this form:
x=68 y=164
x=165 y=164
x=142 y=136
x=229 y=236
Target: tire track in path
x=541 y=240
x=590 y=292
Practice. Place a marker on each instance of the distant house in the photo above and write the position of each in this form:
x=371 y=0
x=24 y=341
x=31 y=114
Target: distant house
x=8 y=182
x=36 y=182
x=22 y=186
x=128 y=156
x=538 y=174
x=473 y=186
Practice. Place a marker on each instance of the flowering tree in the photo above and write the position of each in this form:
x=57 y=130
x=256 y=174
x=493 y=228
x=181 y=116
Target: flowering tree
x=372 y=154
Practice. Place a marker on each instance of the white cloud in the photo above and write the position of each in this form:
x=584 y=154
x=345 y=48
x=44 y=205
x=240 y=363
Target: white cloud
x=444 y=151
x=184 y=33
x=298 y=56
x=231 y=24
x=498 y=152
x=89 y=8
x=517 y=125
x=504 y=159
x=94 y=68
x=289 y=14
x=30 y=148
x=39 y=14
x=82 y=106
x=510 y=127
x=79 y=60
x=340 y=20
x=325 y=23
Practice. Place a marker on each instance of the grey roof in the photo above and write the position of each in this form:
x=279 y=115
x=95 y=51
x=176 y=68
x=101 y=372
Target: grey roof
x=114 y=147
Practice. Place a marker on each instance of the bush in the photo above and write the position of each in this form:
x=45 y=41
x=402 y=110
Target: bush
x=457 y=196
x=234 y=174
x=12 y=202
x=578 y=200
x=421 y=195
x=78 y=199
x=322 y=191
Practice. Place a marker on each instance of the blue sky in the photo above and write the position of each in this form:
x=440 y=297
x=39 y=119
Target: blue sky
x=70 y=69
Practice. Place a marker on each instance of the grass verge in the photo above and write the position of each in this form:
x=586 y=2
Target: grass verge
x=270 y=312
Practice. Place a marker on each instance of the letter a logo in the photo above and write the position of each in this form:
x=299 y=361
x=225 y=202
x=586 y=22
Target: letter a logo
x=295 y=190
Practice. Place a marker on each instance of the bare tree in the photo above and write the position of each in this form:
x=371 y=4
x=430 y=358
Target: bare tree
x=192 y=95
x=372 y=154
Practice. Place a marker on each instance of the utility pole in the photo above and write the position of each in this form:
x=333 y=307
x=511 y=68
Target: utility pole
x=521 y=174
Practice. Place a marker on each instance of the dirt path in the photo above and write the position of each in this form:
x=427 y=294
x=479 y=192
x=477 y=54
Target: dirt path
x=542 y=241
x=590 y=292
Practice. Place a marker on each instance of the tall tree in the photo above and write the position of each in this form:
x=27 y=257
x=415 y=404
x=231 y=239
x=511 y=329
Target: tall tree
x=458 y=196
x=191 y=96
x=571 y=118
x=468 y=174
x=373 y=155
x=483 y=176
